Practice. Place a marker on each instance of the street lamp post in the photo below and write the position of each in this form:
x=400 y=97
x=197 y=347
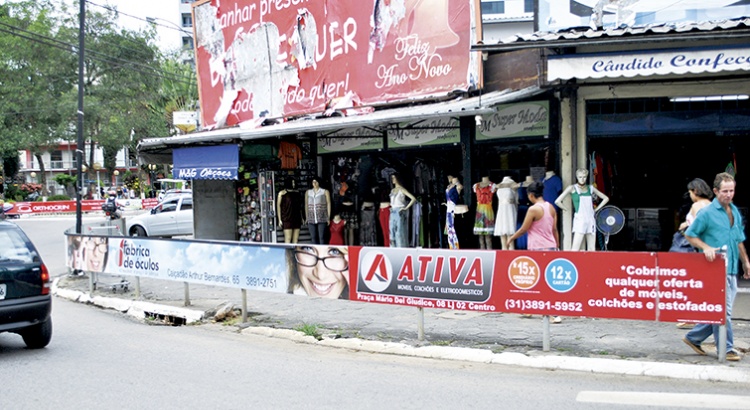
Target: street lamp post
x=97 y=167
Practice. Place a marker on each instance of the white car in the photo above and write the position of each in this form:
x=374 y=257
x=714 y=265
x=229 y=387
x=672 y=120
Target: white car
x=171 y=217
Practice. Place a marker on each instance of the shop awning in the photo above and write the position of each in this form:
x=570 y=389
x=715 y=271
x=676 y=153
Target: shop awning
x=209 y=162
x=157 y=150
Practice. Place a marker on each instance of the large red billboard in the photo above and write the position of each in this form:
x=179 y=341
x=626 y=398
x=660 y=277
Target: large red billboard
x=668 y=287
x=277 y=58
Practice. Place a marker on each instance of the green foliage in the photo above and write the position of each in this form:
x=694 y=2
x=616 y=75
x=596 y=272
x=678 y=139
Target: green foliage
x=58 y=198
x=309 y=330
x=65 y=180
x=131 y=88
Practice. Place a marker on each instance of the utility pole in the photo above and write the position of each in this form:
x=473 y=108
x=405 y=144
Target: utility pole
x=79 y=145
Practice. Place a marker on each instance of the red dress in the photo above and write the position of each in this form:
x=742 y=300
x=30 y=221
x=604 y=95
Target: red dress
x=337 y=232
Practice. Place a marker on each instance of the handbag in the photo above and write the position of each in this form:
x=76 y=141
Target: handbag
x=681 y=244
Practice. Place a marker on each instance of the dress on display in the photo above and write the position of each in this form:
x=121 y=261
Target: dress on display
x=291 y=203
x=507 y=212
x=484 y=222
x=337 y=232
x=583 y=203
x=451 y=199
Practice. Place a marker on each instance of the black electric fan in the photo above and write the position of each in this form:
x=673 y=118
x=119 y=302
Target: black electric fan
x=609 y=221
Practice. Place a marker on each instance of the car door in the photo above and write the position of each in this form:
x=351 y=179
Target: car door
x=185 y=217
x=163 y=222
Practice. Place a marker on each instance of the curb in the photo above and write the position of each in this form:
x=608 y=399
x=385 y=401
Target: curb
x=718 y=373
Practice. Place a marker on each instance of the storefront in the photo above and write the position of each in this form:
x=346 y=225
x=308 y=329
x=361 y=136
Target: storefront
x=647 y=111
x=354 y=158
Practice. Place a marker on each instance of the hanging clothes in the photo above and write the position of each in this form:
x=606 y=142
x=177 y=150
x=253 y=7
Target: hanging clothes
x=484 y=220
x=451 y=199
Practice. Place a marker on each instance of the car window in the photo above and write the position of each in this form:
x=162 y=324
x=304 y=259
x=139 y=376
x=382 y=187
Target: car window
x=13 y=247
x=169 y=206
x=187 y=203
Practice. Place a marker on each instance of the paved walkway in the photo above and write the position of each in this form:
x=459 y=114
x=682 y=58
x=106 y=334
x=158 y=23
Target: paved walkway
x=594 y=345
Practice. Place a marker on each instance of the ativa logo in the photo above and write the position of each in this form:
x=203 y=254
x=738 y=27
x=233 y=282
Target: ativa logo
x=376 y=270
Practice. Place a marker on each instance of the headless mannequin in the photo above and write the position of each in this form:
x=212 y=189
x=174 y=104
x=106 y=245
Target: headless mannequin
x=507 y=212
x=485 y=221
x=583 y=218
x=291 y=232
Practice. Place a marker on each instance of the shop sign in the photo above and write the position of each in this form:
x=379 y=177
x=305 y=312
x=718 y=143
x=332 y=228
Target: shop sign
x=431 y=132
x=344 y=144
x=682 y=61
x=529 y=119
x=260 y=58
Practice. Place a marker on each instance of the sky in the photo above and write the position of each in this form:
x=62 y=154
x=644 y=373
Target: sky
x=133 y=14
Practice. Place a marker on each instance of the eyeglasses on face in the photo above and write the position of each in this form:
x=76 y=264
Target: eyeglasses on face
x=99 y=246
x=336 y=263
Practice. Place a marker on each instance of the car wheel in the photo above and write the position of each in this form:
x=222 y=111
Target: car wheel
x=38 y=336
x=137 y=231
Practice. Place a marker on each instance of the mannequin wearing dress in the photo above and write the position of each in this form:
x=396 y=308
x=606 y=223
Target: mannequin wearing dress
x=507 y=212
x=289 y=211
x=484 y=221
x=584 y=223
x=337 y=230
x=452 y=195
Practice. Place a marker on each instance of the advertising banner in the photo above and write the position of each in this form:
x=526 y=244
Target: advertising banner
x=667 y=287
x=259 y=58
x=28 y=208
x=344 y=144
x=618 y=285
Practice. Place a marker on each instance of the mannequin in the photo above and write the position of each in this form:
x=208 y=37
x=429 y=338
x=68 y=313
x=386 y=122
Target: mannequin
x=289 y=211
x=318 y=211
x=452 y=195
x=507 y=212
x=552 y=188
x=484 y=222
x=337 y=230
x=399 y=229
x=584 y=224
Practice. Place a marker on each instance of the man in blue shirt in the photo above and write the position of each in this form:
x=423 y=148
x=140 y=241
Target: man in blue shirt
x=717 y=225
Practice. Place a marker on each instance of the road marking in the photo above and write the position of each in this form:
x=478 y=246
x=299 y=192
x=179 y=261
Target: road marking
x=709 y=401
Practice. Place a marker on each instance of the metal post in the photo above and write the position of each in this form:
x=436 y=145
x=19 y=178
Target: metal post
x=187 y=294
x=545 y=333
x=420 y=323
x=244 y=305
x=721 y=344
x=80 y=142
x=91 y=283
x=137 y=287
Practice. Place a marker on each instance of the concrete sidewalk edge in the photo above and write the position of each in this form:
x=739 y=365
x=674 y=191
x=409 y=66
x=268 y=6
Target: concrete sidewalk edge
x=723 y=373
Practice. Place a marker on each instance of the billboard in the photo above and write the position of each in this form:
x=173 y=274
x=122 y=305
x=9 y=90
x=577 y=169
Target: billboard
x=261 y=59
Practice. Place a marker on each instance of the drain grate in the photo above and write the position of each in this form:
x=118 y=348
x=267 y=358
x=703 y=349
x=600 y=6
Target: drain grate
x=167 y=320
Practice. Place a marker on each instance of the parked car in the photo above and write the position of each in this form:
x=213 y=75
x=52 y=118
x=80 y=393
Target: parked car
x=25 y=301
x=173 y=216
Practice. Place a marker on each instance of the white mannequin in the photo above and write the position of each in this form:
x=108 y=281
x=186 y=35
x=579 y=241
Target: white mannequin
x=583 y=218
x=507 y=211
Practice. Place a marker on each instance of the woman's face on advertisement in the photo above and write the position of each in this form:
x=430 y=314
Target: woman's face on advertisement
x=96 y=250
x=323 y=270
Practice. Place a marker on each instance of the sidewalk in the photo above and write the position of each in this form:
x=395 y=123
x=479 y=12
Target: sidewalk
x=593 y=345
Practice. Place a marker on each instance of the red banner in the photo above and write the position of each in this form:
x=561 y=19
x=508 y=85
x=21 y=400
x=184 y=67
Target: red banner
x=668 y=287
x=260 y=58
x=27 y=208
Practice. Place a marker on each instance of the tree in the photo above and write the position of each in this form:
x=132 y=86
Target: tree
x=35 y=71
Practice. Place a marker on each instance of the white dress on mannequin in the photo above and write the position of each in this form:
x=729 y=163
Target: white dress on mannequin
x=507 y=211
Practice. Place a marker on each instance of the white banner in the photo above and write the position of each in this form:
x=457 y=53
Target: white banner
x=648 y=64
